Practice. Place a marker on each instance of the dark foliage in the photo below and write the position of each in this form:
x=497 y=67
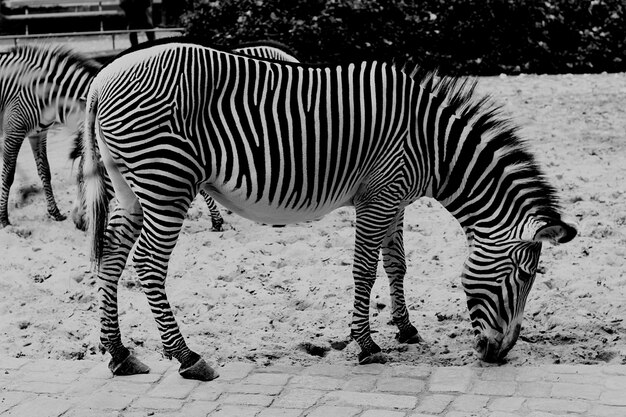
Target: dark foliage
x=458 y=36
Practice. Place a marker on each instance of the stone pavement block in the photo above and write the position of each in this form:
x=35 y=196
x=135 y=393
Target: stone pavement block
x=360 y=383
x=420 y=415
x=614 y=369
x=316 y=382
x=255 y=389
x=235 y=411
x=247 y=399
x=280 y=412
x=332 y=411
x=582 y=391
x=99 y=371
x=370 y=369
x=469 y=402
x=298 y=398
x=534 y=389
x=575 y=378
x=57 y=366
x=434 y=403
x=161 y=404
x=417 y=371
x=49 y=377
x=607 y=411
x=573 y=369
x=335 y=371
x=382 y=413
x=613 y=398
x=103 y=400
x=39 y=387
x=41 y=406
x=267 y=379
x=84 y=386
x=173 y=386
x=530 y=374
x=122 y=386
x=9 y=399
x=460 y=414
x=502 y=414
x=500 y=388
x=553 y=405
x=84 y=412
x=234 y=370
x=615 y=382
x=366 y=399
x=400 y=385
x=542 y=414
x=452 y=379
x=209 y=391
x=508 y=404
x=198 y=408
x=280 y=369
x=499 y=373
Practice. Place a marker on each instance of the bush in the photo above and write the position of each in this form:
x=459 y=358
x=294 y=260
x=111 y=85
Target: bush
x=459 y=36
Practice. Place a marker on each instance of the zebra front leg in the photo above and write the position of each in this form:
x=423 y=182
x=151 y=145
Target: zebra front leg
x=154 y=247
x=216 y=218
x=38 y=143
x=394 y=263
x=121 y=234
x=372 y=223
x=12 y=142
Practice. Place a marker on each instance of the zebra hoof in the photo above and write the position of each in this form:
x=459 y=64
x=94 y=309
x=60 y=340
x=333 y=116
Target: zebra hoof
x=366 y=359
x=409 y=336
x=199 y=370
x=129 y=366
x=57 y=216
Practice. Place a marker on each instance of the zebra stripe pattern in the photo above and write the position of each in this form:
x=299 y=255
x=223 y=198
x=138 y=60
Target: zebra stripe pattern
x=29 y=112
x=279 y=143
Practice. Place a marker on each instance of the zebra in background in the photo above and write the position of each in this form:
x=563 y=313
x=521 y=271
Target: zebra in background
x=281 y=143
x=25 y=113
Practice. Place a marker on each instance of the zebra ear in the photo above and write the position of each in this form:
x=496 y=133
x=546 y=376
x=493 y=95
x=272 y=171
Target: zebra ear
x=555 y=232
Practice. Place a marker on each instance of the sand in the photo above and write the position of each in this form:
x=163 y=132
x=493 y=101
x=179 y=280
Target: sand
x=273 y=295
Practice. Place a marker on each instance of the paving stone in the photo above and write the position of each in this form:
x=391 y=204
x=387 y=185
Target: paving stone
x=614 y=370
x=118 y=385
x=607 y=411
x=502 y=414
x=500 y=388
x=534 y=389
x=575 y=378
x=173 y=386
x=460 y=414
x=557 y=405
x=613 y=398
x=420 y=415
x=371 y=369
x=40 y=406
x=247 y=399
x=281 y=412
x=255 y=389
x=235 y=411
x=366 y=399
x=12 y=363
x=209 y=391
x=332 y=411
x=153 y=403
x=85 y=386
x=336 y=371
x=452 y=379
x=57 y=366
x=298 y=398
x=469 y=402
x=84 y=412
x=316 y=382
x=360 y=383
x=530 y=374
x=234 y=370
x=99 y=371
x=499 y=373
x=434 y=403
x=418 y=371
x=198 y=408
x=382 y=413
x=573 y=369
x=280 y=369
x=582 y=391
x=615 y=382
x=9 y=399
x=400 y=385
x=39 y=387
x=103 y=400
x=508 y=404
x=267 y=379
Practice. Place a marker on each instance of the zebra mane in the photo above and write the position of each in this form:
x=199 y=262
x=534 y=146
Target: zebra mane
x=493 y=128
x=39 y=51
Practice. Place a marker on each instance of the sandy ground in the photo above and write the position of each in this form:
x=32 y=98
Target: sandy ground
x=266 y=295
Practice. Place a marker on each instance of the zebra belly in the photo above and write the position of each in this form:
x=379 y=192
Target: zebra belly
x=266 y=212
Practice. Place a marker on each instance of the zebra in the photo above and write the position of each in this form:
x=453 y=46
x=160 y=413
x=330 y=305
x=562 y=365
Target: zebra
x=26 y=114
x=286 y=142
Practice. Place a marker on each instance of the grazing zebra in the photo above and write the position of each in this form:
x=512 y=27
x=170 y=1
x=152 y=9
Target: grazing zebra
x=262 y=49
x=24 y=113
x=281 y=143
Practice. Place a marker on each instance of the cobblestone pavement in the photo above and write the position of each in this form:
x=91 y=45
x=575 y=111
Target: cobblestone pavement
x=42 y=388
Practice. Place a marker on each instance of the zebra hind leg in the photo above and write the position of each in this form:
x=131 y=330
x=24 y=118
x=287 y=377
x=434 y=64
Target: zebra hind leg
x=154 y=247
x=395 y=266
x=122 y=232
x=12 y=142
x=38 y=143
x=216 y=218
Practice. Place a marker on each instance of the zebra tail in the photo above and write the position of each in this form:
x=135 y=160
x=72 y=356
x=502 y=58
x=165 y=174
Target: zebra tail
x=97 y=207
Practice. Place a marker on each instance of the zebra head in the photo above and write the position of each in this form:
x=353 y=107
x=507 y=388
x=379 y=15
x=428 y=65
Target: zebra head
x=497 y=278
